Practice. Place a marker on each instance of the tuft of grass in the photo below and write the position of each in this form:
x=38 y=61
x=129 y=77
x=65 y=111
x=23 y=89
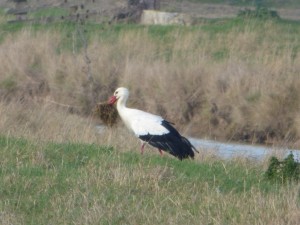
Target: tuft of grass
x=107 y=113
x=8 y=84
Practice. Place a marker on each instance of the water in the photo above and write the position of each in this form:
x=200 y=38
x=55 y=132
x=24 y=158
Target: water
x=230 y=150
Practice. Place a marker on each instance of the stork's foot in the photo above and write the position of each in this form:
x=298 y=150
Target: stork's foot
x=160 y=152
x=142 y=148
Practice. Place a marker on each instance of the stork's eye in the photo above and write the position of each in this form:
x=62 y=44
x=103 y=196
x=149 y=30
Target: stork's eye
x=116 y=93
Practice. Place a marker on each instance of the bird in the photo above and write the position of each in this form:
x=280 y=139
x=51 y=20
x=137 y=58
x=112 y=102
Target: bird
x=152 y=129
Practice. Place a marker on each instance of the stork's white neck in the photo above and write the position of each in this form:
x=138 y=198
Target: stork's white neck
x=123 y=111
x=121 y=104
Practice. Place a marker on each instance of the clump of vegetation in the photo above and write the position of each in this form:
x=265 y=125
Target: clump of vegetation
x=259 y=13
x=286 y=170
x=8 y=84
x=107 y=113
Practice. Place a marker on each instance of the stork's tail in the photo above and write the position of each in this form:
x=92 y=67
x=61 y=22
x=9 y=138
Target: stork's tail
x=189 y=149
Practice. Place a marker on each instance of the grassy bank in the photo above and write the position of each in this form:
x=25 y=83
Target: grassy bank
x=72 y=183
x=230 y=79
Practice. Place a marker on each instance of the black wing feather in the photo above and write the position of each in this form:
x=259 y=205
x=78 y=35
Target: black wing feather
x=172 y=142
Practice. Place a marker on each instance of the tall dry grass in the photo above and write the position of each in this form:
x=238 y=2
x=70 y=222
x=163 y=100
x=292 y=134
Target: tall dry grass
x=240 y=84
x=44 y=122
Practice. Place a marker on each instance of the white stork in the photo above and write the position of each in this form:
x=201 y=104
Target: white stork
x=151 y=128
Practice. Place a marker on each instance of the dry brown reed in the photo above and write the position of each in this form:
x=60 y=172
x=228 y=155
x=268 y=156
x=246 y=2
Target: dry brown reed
x=236 y=85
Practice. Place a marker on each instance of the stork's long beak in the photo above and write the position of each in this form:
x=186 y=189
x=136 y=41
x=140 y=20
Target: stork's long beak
x=112 y=100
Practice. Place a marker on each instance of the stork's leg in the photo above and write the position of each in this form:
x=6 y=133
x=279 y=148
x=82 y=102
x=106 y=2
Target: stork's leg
x=160 y=152
x=142 y=148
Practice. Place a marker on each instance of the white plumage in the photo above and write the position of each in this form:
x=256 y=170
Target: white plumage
x=143 y=123
x=151 y=128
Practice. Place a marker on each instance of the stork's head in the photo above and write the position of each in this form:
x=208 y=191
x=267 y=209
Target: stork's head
x=120 y=93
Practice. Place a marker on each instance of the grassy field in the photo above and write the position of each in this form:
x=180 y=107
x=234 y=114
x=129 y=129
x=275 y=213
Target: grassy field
x=227 y=79
x=73 y=183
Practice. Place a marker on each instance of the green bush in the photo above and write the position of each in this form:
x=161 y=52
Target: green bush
x=286 y=170
x=259 y=13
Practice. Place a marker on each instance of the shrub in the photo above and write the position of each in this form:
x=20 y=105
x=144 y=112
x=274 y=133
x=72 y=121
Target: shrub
x=286 y=170
x=259 y=13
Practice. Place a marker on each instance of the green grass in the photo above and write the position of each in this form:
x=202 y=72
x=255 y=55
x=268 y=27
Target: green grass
x=49 y=12
x=164 y=34
x=213 y=25
x=75 y=183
